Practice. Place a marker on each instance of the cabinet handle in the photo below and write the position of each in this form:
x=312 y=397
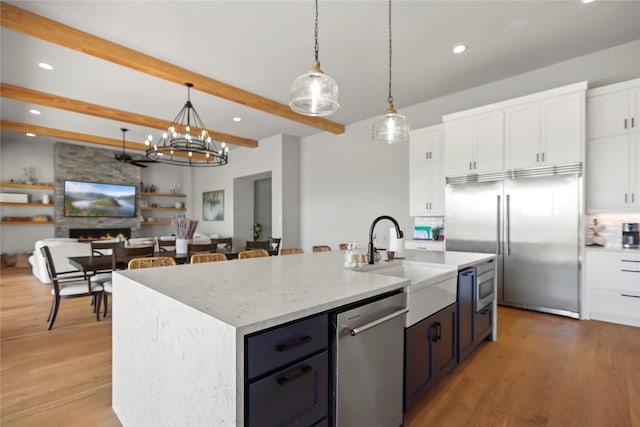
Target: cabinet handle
x=630 y=271
x=433 y=332
x=625 y=197
x=543 y=156
x=625 y=123
x=474 y=165
x=632 y=122
x=537 y=157
x=302 y=372
x=498 y=227
x=633 y=197
x=426 y=155
x=439 y=330
x=629 y=260
x=294 y=343
x=630 y=296
x=469 y=165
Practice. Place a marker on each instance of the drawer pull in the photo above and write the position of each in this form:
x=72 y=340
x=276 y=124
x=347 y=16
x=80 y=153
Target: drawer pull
x=294 y=343
x=287 y=379
x=630 y=296
x=630 y=260
x=630 y=271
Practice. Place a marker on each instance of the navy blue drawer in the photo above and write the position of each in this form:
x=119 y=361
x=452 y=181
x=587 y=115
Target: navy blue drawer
x=295 y=396
x=277 y=347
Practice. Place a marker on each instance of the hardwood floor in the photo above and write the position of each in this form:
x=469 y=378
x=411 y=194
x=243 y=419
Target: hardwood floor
x=544 y=370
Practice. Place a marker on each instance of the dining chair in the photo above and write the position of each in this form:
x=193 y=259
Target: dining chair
x=200 y=258
x=153 y=261
x=166 y=245
x=290 y=251
x=223 y=242
x=254 y=253
x=200 y=248
x=101 y=248
x=321 y=248
x=69 y=286
x=123 y=255
x=259 y=244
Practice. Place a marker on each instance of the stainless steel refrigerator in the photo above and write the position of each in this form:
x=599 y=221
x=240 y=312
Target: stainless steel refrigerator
x=530 y=219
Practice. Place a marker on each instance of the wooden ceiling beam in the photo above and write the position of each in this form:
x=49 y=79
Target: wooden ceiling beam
x=41 y=98
x=73 y=136
x=25 y=22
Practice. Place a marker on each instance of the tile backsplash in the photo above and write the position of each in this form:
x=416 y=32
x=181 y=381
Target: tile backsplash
x=612 y=222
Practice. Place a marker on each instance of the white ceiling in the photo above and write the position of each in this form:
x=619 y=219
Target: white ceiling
x=261 y=46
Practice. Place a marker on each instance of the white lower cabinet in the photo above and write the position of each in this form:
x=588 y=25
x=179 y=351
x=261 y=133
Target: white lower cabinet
x=613 y=286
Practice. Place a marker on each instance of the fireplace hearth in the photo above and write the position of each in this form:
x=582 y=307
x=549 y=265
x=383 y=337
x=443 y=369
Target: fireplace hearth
x=88 y=234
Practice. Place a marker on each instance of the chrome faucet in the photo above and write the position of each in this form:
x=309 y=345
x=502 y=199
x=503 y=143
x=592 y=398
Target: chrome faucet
x=371 y=249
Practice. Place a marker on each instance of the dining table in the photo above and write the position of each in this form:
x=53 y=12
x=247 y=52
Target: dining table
x=95 y=263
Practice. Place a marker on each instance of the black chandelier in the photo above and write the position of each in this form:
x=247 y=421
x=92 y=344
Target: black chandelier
x=186 y=142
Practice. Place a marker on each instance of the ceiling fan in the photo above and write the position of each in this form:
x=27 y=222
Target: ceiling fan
x=126 y=158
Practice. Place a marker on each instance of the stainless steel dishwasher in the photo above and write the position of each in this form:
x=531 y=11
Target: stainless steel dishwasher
x=368 y=357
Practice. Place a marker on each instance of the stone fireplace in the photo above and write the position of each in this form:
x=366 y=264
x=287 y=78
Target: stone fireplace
x=83 y=163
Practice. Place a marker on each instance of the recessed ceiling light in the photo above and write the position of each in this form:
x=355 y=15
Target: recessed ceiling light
x=587 y=1
x=45 y=66
x=237 y=119
x=36 y=112
x=30 y=134
x=459 y=48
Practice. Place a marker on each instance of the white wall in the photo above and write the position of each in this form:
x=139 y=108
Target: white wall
x=347 y=180
x=16 y=156
x=242 y=162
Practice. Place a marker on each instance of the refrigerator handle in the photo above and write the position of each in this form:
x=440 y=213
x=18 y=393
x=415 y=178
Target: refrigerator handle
x=498 y=251
x=508 y=224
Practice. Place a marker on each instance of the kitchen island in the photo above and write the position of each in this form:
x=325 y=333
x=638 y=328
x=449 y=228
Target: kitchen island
x=179 y=332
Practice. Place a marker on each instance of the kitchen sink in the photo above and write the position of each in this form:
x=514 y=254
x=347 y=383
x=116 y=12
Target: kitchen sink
x=432 y=288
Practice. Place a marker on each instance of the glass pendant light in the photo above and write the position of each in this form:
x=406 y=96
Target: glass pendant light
x=393 y=126
x=314 y=93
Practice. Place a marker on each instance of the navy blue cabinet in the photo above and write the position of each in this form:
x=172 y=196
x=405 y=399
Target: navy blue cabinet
x=430 y=353
x=474 y=326
x=287 y=375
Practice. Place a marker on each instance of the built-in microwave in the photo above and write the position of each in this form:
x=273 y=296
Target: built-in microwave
x=485 y=287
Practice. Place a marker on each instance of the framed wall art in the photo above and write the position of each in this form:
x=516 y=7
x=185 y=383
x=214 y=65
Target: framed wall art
x=213 y=205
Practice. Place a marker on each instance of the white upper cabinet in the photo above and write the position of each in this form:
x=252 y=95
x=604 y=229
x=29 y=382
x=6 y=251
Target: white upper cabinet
x=474 y=144
x=426 y=177
x=613 y=148
x=614 y=110
x=541 y=129
x=545 y=132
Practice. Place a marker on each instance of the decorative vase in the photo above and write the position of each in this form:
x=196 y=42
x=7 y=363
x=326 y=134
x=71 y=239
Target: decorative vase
x=181 y=246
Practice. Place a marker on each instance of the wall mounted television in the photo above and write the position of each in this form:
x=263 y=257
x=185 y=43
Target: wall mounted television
x=97 y=199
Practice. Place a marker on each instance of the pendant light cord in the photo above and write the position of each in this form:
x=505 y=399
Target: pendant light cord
x=390 y=99
x=317 y=47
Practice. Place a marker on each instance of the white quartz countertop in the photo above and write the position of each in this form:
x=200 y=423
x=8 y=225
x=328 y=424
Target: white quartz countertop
x=458 y=260
x=254 y=294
